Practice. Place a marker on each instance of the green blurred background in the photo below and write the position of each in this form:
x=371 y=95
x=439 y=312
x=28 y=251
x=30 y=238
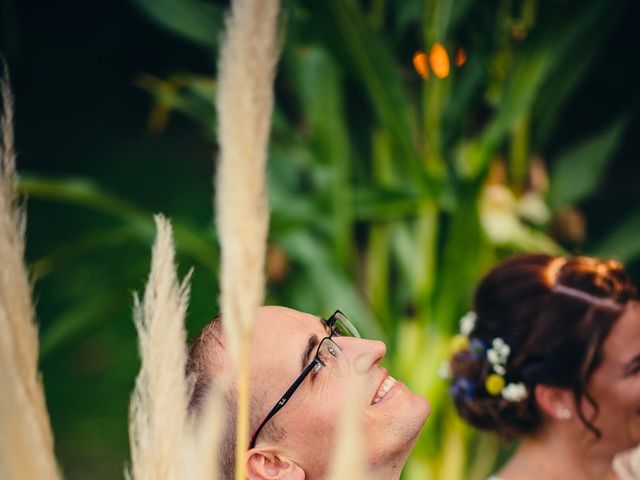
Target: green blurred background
x=390 y=194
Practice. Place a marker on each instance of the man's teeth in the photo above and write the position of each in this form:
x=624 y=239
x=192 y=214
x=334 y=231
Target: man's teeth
x=384 y=389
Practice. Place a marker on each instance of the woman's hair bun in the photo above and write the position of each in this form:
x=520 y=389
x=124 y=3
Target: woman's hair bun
x=554 y=314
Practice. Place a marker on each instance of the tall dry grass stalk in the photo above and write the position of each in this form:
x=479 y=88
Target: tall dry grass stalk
x=627 y=465
x=349 y=457
x=26 y=441
x=158 y=427
x=203 y=445
x=244 y=102
x=166 y=444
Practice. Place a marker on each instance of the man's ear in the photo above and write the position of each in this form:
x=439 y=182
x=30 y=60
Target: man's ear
x=556 y=402
x=265 y=464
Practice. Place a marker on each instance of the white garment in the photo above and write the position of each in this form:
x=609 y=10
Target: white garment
x=494 y=478
x=627 y=464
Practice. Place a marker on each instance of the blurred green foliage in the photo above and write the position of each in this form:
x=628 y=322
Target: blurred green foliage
x=390 y=195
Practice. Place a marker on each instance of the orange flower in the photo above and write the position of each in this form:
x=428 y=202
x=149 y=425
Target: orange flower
x=439 y=60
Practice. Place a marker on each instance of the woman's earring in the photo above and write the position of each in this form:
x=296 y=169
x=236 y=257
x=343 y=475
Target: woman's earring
x=564 y=414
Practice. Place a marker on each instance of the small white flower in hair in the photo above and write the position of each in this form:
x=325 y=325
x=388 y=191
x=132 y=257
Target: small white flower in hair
x=499 y=369
x=444 y=372
x=493 y=357
x=468 y=323
x=498 y=355
x=514 y=392
x=501 y=348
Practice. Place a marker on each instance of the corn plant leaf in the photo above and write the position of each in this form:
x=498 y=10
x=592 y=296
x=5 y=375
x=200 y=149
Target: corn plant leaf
x=70 y=251
x=193 y=20
x=385 y=203
x=405 y=13
x=188 y=94
x=539 y=59
x=578 y=57
x=378 y=73
x=79 y=321
x=321 y=93
x=442 y=16
x=578 y=171
x=322 y=285
x=84 y=193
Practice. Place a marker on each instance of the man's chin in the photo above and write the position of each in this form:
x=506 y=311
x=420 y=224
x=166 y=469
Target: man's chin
x=405 y=435
x=421 y=408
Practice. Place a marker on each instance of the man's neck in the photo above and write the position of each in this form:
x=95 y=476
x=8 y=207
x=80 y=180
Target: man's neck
x=387 y=472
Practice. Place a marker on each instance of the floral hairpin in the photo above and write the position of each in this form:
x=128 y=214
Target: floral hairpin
x=497 y=355
x=468 y=323
x=495 y=384
x=461 y=341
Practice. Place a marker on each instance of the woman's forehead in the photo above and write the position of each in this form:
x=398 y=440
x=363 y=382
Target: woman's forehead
x=623 y=341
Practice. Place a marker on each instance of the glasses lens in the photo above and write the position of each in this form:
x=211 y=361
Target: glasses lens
x=342 y=326
x=333 y=357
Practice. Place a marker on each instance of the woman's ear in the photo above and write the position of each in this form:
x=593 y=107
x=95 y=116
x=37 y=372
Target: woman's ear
x=265 y=464
x=555 y=402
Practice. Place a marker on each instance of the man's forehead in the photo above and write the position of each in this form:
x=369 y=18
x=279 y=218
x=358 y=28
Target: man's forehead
x=281 y=336
x=284 y=315
x=289 y=328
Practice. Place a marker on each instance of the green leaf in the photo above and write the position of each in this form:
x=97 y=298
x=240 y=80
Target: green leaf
x=577 y=58
x=441 y=16
x=320 y=88
x=381 y=78
x=196 y=21
x=577 y=172
x=542 y=57
x=323 y=283
x=77 y=322
x=191 y=95
x=385 y=203
x=94 y=240
x=622 y=243
x=84 y=193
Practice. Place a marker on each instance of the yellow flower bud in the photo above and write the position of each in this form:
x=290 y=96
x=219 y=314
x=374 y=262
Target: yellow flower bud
x=459 y=343
x=494 y=384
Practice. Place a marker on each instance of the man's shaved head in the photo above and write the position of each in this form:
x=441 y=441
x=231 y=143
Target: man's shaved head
x=207 y=368
x=299 y=440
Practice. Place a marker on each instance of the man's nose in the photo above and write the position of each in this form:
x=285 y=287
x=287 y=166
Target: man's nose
x=362 y=353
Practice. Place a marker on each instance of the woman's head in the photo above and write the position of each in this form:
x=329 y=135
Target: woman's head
x=556 y=315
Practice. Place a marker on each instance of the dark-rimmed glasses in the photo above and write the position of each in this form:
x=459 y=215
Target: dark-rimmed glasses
x=328 y=354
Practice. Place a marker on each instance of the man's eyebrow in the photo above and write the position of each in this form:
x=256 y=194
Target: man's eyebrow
x=311 y=344
x=324 y=323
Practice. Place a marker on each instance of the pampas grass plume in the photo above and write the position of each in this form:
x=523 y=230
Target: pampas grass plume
x=158 y=411
x=26 y=445
x=203 y=445
x=244 y=102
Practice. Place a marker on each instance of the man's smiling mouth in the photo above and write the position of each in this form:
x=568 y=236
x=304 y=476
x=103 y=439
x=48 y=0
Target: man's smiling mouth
x=384 y=388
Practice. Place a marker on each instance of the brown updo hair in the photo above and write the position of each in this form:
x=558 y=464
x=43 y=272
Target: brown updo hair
x=555 y=314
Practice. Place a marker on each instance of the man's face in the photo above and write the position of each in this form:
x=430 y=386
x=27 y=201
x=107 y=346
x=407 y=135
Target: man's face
x=283 y=344
x=615 y=384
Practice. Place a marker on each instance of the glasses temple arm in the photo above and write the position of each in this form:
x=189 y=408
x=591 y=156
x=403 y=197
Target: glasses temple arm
x=283 y=400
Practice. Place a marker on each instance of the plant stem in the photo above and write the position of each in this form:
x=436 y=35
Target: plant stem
x=242 y=425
